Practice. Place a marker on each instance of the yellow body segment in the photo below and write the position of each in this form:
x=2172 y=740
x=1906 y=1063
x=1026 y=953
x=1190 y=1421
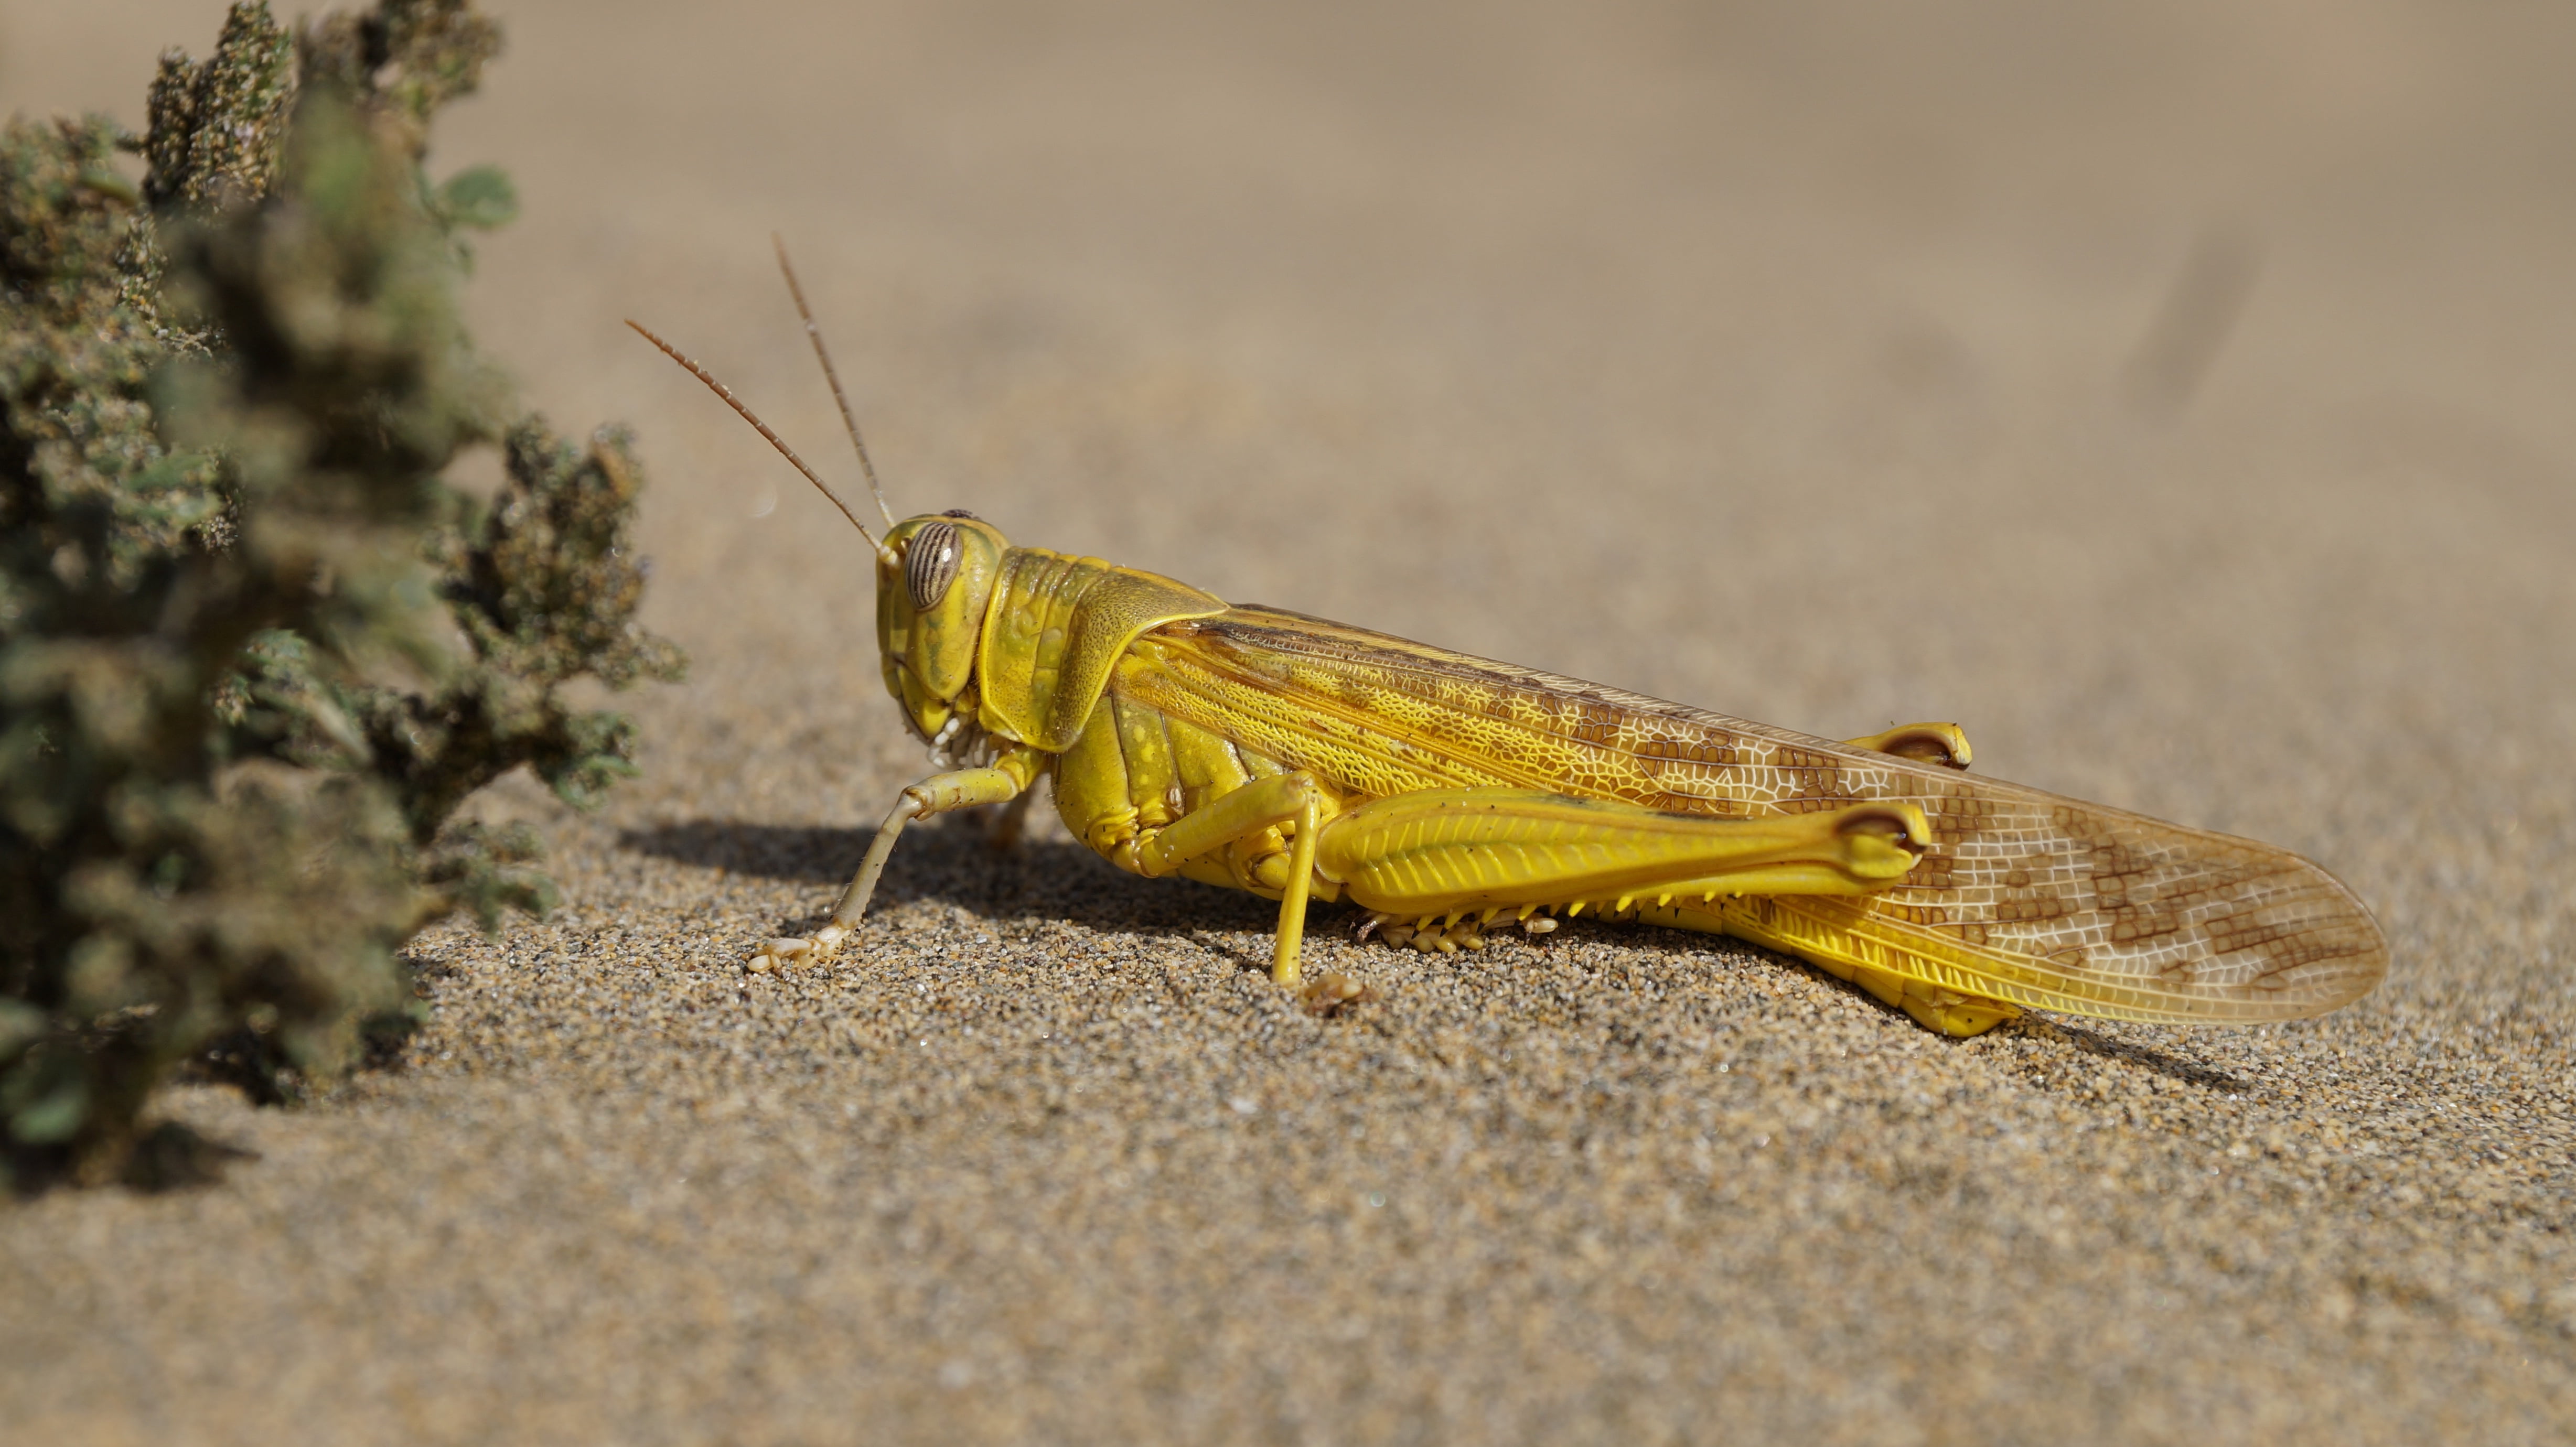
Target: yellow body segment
x=1257 y=749
x=1056 y=628
x=1444 y=851
x=2025 y=898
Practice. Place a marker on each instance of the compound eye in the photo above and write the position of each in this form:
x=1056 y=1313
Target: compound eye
x=930 y=564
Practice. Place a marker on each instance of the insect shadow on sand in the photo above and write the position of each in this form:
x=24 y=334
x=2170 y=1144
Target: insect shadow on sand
x=951 y=861
x=2145 y=1057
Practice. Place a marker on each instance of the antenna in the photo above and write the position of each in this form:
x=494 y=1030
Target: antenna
x=814 y=334
x=721 y=390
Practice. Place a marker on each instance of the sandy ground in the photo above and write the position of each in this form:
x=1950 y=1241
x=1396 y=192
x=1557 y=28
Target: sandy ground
x=2177 y=397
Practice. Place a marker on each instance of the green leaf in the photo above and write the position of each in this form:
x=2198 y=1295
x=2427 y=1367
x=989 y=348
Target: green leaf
x=481 y=197
x=21 y=1025
x=60 y=1103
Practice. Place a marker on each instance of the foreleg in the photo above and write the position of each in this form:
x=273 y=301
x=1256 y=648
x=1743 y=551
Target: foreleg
x=1007 y=779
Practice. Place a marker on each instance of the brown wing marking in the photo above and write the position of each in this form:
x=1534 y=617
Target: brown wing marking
x=2136 y=916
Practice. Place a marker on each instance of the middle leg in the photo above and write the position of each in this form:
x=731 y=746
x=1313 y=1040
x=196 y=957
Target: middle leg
x=1294 y=800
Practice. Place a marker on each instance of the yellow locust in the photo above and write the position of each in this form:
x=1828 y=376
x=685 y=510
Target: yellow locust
x=1449 y=796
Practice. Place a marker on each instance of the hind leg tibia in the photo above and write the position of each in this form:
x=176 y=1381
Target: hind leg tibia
x=1934 y=1008
x=1846 y=939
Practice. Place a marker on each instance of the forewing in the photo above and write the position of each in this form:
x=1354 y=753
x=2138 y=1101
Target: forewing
x=2058 y=902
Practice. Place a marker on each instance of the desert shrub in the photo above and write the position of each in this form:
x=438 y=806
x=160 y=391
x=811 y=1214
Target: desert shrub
x=254 y=651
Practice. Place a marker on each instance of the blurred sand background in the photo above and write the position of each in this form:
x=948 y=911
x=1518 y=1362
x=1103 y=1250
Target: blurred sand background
x=2177 y=395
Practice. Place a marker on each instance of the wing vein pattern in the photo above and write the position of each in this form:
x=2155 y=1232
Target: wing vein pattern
x=2060 y=900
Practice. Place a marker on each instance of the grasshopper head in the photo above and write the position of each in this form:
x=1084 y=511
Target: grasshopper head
x=935 y=576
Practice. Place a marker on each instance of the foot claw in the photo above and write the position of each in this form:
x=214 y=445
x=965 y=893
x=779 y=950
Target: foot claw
x=789 y=950
x=1329 y=995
